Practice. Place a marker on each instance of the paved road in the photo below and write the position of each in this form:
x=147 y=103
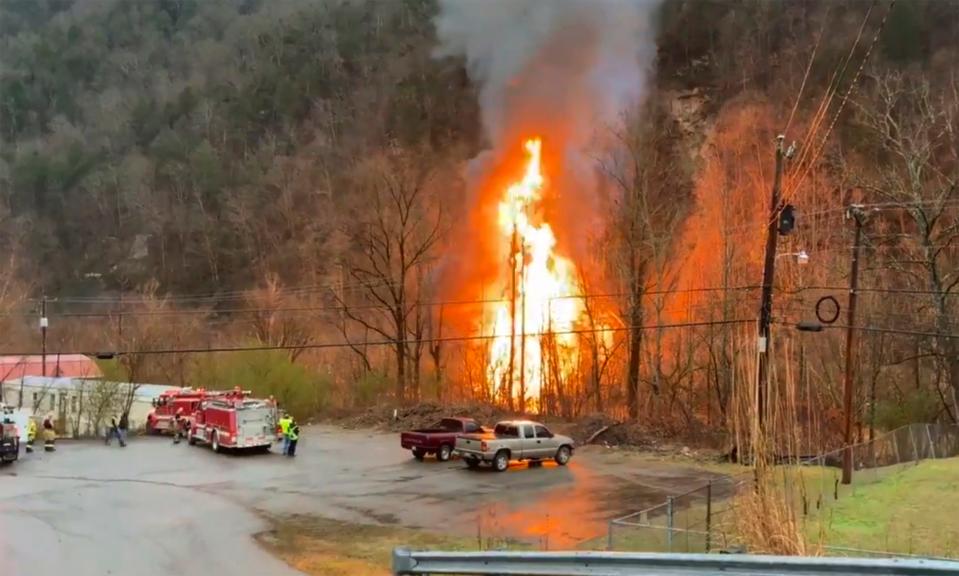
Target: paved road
x=155 y=508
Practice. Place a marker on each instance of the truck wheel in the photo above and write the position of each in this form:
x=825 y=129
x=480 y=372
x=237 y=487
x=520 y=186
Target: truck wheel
x=501 y=461
x=562 y=455
x=419 y=454
x=444 y=453
x=472 y=462
x=191 y=439
x=215 y=442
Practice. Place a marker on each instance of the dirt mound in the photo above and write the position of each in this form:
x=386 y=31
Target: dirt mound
x=603 y=429
x=420 y=416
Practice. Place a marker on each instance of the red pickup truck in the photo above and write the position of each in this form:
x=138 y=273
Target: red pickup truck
x=438 y=439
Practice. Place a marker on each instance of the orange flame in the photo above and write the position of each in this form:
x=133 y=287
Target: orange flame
x=541 y=305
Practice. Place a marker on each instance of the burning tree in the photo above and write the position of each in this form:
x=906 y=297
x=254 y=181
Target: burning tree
x=540 y=290
x=647 y=209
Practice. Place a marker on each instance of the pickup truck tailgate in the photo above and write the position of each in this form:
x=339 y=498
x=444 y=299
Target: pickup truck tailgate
x=472 y=443
x=414 y=440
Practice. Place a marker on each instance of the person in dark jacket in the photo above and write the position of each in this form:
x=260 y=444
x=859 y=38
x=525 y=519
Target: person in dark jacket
x=122 y=428
x=112 y=431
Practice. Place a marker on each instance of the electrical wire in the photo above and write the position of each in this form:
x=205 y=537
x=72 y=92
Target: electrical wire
x=341 y=308
x=852 y=86
x=388 y=342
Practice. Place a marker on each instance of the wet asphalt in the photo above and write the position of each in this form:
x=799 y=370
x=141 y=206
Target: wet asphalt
x=154 y=508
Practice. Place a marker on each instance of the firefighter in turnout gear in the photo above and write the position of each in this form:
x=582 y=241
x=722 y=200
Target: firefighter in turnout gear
x=31 y=433
x=179 y=424
x=49 y=434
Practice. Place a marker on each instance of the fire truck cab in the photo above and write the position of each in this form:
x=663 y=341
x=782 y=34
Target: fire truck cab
x=166 y=405
x=234 y=420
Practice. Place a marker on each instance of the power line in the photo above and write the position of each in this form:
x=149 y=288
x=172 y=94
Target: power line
x=884 y=330
x=852 y=85
x=390 y=342
x=877 y=289
x=428 y=304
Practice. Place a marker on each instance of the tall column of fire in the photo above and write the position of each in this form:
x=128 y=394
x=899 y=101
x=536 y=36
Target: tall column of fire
x=541 y=295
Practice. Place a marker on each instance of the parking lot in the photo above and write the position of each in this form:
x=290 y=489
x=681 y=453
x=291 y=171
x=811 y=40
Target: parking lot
x=156 y=508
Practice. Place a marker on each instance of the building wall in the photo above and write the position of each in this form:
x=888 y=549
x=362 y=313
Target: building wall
x=73 y=411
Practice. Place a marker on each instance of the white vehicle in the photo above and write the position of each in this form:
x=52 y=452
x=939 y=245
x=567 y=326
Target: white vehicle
x=514 y=440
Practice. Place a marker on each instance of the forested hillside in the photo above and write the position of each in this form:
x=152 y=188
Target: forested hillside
x=229 y=168
x=202 y=143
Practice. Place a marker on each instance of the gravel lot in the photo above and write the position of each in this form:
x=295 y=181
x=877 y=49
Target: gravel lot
x=156 y=508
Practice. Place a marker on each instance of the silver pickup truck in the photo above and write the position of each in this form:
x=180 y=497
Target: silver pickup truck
x=514 y=440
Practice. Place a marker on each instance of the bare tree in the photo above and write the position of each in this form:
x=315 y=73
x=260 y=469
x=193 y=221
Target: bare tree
x=911 y=162
x=273 y=326
x=641 y=164
x=399 y=224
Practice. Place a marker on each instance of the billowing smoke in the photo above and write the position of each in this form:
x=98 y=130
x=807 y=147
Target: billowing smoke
x=562 y=70
x=571 y=65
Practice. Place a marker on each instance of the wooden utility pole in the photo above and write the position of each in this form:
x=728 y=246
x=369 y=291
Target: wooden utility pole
x=769 y=270
x=522 y=330
x=512 y=317
x=43 y=335
x=854 y=212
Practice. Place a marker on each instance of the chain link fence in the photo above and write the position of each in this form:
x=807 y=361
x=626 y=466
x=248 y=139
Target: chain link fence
x=703 y=519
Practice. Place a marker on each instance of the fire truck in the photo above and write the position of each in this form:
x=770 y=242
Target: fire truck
x=166 y=405
x=9 y=435
x=234 y=420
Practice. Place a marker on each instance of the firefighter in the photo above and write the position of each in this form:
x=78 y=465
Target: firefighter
x=31 y=433
x=49 y=434
x=178 y=421
x=285 y=422
x=294 y=436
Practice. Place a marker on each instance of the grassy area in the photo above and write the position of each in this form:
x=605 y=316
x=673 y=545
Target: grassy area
x=325 y=547
x=913 y=512
x=906 y=509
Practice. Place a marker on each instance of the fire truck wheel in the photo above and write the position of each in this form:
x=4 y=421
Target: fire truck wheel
x=190 y=439
x=215 y=442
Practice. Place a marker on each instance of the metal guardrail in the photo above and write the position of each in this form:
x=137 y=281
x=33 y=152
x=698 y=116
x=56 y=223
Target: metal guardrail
x=407 y=563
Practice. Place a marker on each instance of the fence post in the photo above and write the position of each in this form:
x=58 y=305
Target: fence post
x=932 y=447
x=609 y=536
x=915 y=449
x=669 y=524
x=709 y=513
x=895 y=447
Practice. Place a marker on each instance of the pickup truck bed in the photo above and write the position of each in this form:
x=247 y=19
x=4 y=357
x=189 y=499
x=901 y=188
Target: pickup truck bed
x=439 y=440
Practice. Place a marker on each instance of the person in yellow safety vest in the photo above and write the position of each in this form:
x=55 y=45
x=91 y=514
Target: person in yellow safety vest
x=294 y=435
x=31 y=433
x=285 y=423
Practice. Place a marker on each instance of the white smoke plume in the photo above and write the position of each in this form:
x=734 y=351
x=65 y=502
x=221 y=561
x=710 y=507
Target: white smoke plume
x=576 y=64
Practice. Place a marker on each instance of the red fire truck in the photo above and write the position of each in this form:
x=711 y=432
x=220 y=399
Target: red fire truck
x=166 y=405
x=234 y=420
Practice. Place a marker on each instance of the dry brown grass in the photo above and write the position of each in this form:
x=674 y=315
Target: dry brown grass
x=766 y=519
x=324 y=547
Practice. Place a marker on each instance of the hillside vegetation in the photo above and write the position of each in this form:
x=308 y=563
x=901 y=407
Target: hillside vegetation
x=185 y=174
